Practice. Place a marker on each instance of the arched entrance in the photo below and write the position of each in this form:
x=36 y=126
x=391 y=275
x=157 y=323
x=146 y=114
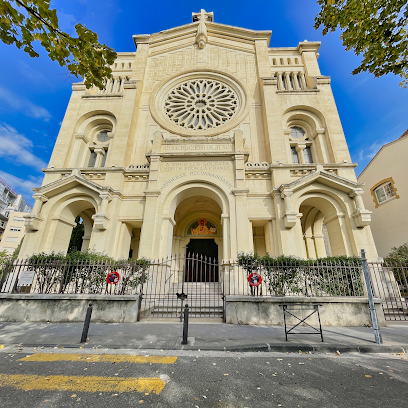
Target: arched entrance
x=324 y=228
x=198 y=237
x=63 y=222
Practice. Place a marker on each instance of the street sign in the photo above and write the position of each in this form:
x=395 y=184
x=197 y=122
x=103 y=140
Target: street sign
x=26 y=278
x=113 y=277
x=254 y=279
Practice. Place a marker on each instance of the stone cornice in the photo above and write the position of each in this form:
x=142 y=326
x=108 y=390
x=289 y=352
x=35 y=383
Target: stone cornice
x=216 y=29
x=338 y=182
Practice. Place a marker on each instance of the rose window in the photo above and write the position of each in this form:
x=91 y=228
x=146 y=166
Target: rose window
x=201 y=104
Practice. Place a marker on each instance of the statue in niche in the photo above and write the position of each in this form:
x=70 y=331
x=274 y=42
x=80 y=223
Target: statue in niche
x=202 y=229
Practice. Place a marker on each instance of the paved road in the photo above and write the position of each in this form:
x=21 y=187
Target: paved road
x=151 y=378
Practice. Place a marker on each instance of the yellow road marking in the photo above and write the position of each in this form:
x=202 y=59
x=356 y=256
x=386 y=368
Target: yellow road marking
x=81 y=383
x=100 y=358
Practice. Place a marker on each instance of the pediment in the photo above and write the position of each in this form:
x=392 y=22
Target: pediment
x=70 y=182
x=325 y=178
x=185 y=35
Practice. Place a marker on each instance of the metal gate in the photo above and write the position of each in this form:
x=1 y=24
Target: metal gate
x=389 y=283
x=173 y=282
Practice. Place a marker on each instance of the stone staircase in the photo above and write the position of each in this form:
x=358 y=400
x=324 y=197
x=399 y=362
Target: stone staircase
x=203 y=298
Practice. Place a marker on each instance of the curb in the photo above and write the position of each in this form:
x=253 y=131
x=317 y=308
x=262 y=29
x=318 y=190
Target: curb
x=262 y=347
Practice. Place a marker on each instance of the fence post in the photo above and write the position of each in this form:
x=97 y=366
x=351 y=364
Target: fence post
x=185 y=325
x=376 y=327
x=86 y=324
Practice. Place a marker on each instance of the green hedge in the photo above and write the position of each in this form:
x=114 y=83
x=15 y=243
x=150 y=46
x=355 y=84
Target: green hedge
x=84 y=272
x=289 y=275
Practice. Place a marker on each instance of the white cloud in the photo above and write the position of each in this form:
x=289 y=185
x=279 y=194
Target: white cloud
x=24 y=105
x=24 y=187
x=17 y=148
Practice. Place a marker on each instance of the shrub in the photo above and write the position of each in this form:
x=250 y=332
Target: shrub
x=289 y=275
x=84 y=272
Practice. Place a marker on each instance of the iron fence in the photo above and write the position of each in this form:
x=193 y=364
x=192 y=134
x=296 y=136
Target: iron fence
x=175 y=281
x=389 y=282
x=206 y=282
x=294 y=278
x=65 y=277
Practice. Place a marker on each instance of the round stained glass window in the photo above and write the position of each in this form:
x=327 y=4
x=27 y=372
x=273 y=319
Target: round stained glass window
x=201 y=104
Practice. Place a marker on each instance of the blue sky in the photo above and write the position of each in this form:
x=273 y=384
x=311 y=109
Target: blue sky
x=34 y=92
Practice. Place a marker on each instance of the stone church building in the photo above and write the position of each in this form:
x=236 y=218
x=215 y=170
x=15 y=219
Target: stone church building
x=206 y=140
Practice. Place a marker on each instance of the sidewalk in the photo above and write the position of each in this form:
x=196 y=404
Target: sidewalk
x=204 y=336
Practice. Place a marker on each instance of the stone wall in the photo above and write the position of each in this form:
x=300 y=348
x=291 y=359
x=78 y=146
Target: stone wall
x=334 y=311
x=68 y=308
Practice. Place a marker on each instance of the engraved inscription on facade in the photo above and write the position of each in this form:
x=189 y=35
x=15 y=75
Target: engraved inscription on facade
x=198 y=147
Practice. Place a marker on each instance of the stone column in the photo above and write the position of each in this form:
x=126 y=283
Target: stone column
x=287 y=81
x=225 y=236
x=167 y=237
x=269 y=238
x=152 y=222
x=151 y=228
x=319 y=245
x=251 y=236
x=85 y=242
x=300 y=148
x=295 y=81
x=280 y=82
x=303 y=83
x=125 y=238
x=77 y=154
x=310 y=245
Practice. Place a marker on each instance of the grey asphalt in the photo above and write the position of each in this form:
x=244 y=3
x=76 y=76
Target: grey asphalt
x=204 y=336
x=216 y=380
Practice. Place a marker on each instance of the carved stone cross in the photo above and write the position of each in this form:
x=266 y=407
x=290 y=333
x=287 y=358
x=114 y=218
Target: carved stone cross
x=203 y=16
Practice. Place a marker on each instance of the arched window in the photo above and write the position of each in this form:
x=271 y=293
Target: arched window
x=297 y=132
x=103 y=137
x=99 y=150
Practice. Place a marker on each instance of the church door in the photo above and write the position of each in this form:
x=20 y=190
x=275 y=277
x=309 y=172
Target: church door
x=203 y=269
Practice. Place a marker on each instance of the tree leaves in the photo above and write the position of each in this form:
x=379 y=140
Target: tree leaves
x=24 y=22
x=377 y=29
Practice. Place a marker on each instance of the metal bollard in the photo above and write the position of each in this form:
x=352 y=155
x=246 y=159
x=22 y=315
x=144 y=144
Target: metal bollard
x=86 y=324
x=185 y=325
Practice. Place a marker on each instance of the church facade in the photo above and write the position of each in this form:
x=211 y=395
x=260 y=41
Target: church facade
x=206 y=140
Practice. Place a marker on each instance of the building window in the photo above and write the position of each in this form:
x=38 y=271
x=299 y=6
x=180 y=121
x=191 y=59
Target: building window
x=21 y=219
x=92 y=159
x=15 y=229
x=384 y=192
x=103 y=137
x=307 y=155
x=11 y=239
x=297 y=132
x=295 y=157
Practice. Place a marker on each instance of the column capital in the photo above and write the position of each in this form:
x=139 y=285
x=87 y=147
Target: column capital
x=105 y=196
x=286 y=192
x=240 y=191
x=100 y=221
x=356 y=192
x=152 y=193
x=42 y=197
